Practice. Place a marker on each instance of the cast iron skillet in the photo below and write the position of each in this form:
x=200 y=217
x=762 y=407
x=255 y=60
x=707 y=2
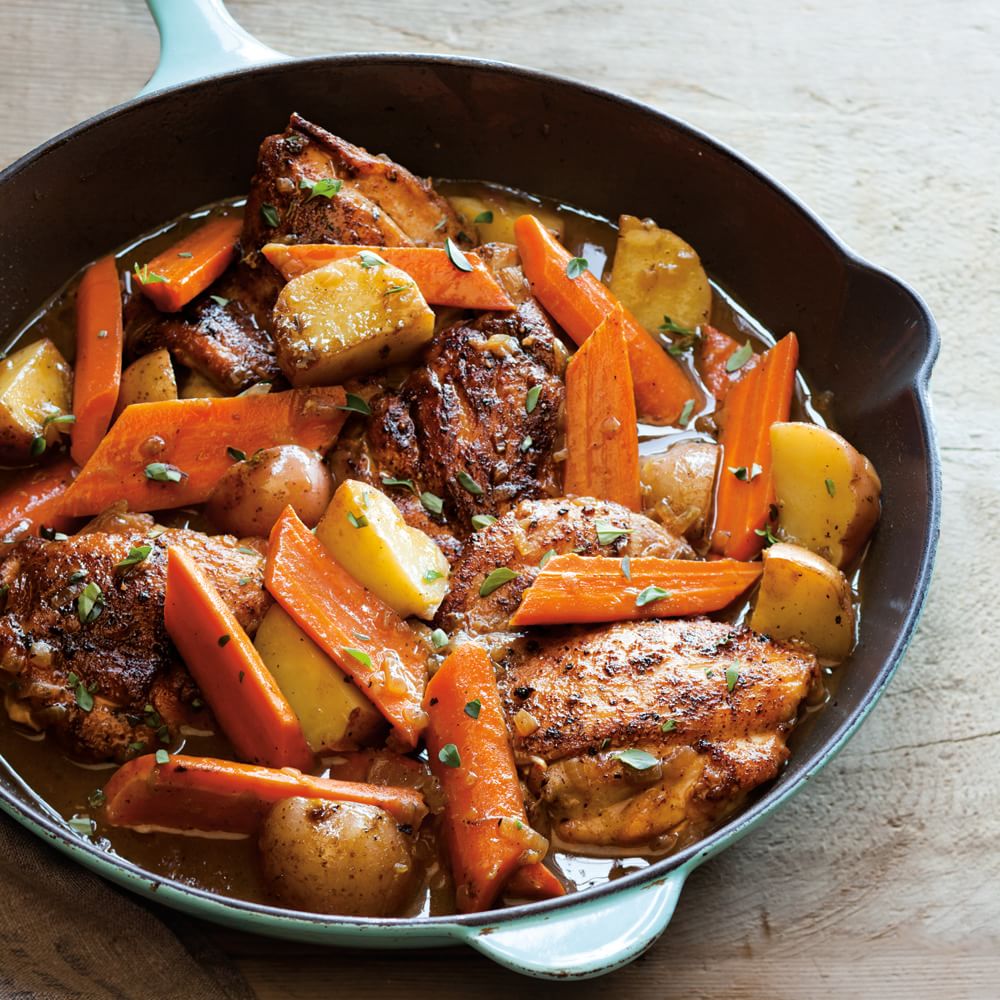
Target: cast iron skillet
x=864 y=335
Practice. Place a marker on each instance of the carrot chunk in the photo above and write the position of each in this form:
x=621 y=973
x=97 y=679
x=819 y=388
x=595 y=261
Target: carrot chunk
x=171 y=453
x=580 y=304
x=715 y=349
x=33 y=499
x=468 y=745
x=249 y=705
x=98 y=370
x=358 y=631
x=574 y=589
x=602 y=440
x=220 y=796
x=745 y=492
x=440 y=282
x=173 y=278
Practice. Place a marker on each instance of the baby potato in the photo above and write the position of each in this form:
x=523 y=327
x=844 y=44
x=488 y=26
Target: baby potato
x=347 y=318
x=679 y=485
x=827 y=491
x=34 y=384
x=251 y=495
x=150 y=379
x=802 y=596
x=657 y=274
x=336 y=857
x=366 y=534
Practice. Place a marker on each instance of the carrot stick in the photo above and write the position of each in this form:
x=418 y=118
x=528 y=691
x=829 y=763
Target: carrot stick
x=220 y=796
x=173 y=278
x=33 y=499
x=152 y=444
x=249 y=705
x=360 y=633
x=575 y=589
x=760 y=398
x=714 y=351
x=578 y=306
x=602 y=440
x=534 y=882
x=98 y=369
x=440 y=282
x=468 y=746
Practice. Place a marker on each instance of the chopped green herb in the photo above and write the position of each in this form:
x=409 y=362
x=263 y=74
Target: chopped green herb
x=160 y=472
x=732 y=676
x=355 y=404
x=686 y=411
x=224 y=639
x=739 y=471
x=269 y=214
x=220 y=300
x=355 y=521
x=360 y=655
x=473 y=708
x=431 y=575
x=84 y=696
x=76 y=576
x=831 y=487
x=649 y=595
x=480 y=521
x=626 y=565
x=247 y=551
x=101 y=334
x=483 y=217
x=607 y=533
x=438 y=226
x=638 y=760
x=396 y=289
x=496 y=579
x=325 y=188
x=766 y=534
x=89 y=604
x=38 y=445
x=432 y=503
x=669 y=726
x=83 y=825
x=186 y=254
x=526 y=443
x=59 y=418
x=531 y=399
x=468 y=483
x=755 y=470
x=138 y=746
x=669 y=326
x=448 y=755
x=236 y=455
x=162 y=757
x=456 y=256
x=545 y=558
x=136 y=555
x=147 y=277
x=406 y=484
x=370 y=259
x=576 y=267
x=243 y=581
x=96 y=798
x=739 y=358
x=439 y=638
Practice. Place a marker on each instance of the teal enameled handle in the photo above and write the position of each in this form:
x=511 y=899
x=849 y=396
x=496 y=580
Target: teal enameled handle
x=199 y=38
x=585 y=940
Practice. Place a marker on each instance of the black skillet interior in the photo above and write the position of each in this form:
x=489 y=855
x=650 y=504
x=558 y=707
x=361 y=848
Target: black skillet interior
x=863 y=335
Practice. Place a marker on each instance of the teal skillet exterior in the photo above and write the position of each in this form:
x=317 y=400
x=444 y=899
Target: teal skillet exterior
x=417 y=102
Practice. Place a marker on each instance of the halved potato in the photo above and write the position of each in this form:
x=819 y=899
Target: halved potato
x=366 y=534
x=334 y=714
x=657 y=274
x=827 y=491
x=802 y=596
x=678 y=486
x=497 y=215
x=149 y=380
x=348 y=318
x=35 y=383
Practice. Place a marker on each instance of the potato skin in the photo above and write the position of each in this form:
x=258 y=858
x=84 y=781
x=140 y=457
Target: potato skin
x=336 y=857
x=35 y=383
x=149 y=379
x=679 y=484
x=251 y=495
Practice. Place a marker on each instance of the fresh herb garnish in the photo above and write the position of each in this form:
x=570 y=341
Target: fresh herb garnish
x=496 y=579
x=59 y=418
x=147 y=277
x=136 y=555
x=38 y=445
x=89 y=604
x=432 y=574
x=269 y=214
x=531 y=398
x=608 y=533
x=448 y=755
x=545 y=558
x=439 y=638
x=766 y=534
x=755 y=471
x=480 y=521
x=732 y=676
x=162 y=757
x=473 y=708
x=526 y=443
x=236 y=455
x=486 y=217
x=360 y=655
x=739 y=471
x=76 y=576
x=325 y=188
x=83 y=825
x=831 y=487
x=468 y=483
x=669 y=326
x=247 y=551
x=220 y=300
x=396 y=289
x=84 y=695
x=138 y=746
x=186 y=254
x=626 y=567
x=370 y=259
x=650 y=594
x=686 y=411
x=406 y=484
x=456 y=256
x=432 y=503
x=355 y=521
x=669 y=726
x=638 y=760
x=224 y=639
x=96 y=798
x=161 y=472
x=575 y=267
x=355 y=404
x=739 y=358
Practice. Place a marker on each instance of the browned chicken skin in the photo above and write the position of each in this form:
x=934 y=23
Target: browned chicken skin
x=123 y=658
x=712 y=703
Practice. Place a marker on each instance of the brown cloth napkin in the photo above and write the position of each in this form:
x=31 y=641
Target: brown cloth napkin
x=65 y=933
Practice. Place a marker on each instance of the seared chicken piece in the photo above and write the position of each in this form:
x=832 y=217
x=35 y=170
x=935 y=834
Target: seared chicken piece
x=54 y=664
x=711 y=704
x=460 y=427
x=378 y=202
x=522 y=537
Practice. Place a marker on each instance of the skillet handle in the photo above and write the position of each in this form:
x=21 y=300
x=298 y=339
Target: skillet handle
x=585 y=940
x=199 y=38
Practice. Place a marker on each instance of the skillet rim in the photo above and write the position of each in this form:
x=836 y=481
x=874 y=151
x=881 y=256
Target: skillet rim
x=126 y=872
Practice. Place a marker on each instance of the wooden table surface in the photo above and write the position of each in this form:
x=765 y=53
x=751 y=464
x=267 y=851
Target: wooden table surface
x=882 y=878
